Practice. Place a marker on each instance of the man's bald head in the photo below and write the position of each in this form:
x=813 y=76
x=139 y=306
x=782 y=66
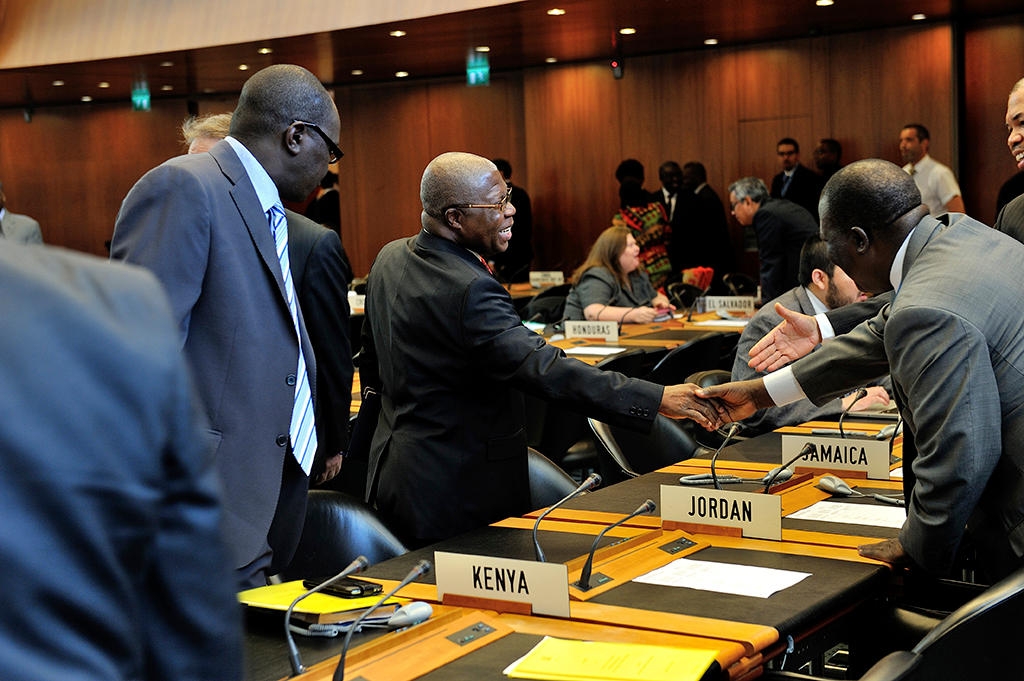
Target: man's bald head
x=453 y=177
x=870 y=194
x=277 y=95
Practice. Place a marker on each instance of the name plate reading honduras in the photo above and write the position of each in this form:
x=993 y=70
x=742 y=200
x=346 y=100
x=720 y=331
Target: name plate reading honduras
x=540 y=278
x=607 y=331
x=840 y=454
x=757 y=515
x=545 y=586
x=730 y=303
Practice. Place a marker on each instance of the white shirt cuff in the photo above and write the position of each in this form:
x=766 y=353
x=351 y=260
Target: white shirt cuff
x=825 y=327
x=782 y=387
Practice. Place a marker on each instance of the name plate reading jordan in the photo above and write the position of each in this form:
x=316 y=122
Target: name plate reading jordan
x=730 y=303
x=606 y=331
x=545 y=586
x=757 y=515
x=840 y=454
x=540 y=278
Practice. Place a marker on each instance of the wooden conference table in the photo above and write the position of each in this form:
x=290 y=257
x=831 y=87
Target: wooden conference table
x=743 y=632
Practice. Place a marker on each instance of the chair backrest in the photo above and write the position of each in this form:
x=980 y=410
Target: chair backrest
x=740 y=284
x=683 y=295
x=680 y=362
x=710 y=377
x=548 y=482
x=633 y=363
x=547 y=306
x=338 y=528
x=637 y=453
x=727 y=350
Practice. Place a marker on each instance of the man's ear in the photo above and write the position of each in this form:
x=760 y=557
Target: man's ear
x=293 y=136
x=453 y=219
x=860 y=240
x=819 y=278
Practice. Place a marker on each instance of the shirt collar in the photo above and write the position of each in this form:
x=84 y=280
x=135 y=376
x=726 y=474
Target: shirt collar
x=699 y=187
x=266 y=190
x=819 y=307
x=896 y=271
x=3 y=212
x=664 y=192
x=789 y=173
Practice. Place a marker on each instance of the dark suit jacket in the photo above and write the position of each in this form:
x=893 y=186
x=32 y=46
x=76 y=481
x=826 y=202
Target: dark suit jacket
x=804 y=189
x=1011 y=219
x=111 y=542
x=700 y=236
x=321 y=274
x=196 y=222
x=781 y=227
x=444 y=343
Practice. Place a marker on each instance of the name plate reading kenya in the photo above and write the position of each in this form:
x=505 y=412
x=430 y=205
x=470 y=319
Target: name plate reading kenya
x=546 y=278
x=545 y=586
x=840 y=454
x=606 y=331
x=757 y=515
x=730 y=303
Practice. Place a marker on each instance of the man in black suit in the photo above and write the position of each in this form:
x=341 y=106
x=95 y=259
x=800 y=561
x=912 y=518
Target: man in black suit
x=781 y=227
x=111 y=542
x=1011 y=217
x=796 y=182
x=444 y=345
x=708 y=241
x=678 y=208
x=514 y=264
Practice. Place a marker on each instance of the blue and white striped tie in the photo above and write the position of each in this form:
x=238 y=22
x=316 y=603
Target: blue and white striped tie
x=302 y=431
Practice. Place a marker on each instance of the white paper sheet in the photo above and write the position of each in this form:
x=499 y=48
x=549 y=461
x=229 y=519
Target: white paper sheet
x=596 y=350
x=742 y=580
x=853 y=514
x=738 y=323
x=896 y=473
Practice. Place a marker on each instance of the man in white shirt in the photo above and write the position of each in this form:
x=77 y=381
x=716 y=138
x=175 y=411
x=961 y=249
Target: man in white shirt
x=936 y=182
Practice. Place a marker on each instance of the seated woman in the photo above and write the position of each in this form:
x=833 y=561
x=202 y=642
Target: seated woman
x=611 y=286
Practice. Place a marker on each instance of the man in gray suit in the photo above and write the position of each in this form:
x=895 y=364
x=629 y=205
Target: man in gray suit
x=15 y=227
x=954 y=339
x=206 y=225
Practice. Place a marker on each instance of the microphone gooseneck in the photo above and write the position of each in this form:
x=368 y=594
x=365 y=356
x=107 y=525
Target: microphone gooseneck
x=592 y=481
x=860 y=395
x=358 y=565
x=422 y=568
x=584 y=582
x=808 y=448
x=733 y=429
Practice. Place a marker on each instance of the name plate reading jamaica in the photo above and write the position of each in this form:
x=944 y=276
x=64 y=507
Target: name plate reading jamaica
x=730 y=303
x=757 y=515
x=840 y=454
x=540 y=278
x=607 y=331
x=545 y=586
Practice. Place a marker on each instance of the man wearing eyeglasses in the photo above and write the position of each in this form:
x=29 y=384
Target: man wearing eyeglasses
x=445 y=348
x=212 y=228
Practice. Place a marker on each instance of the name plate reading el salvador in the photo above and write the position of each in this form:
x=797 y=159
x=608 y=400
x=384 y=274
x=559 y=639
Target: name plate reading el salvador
x=730 y=303
x=607 y=331
x=757 y=515
x=546 y=278
x=840 y=454
x=545 y=586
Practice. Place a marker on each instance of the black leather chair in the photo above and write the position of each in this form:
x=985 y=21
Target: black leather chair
x=636 y=453
x=548 y=482
x=976 y=641
x=710 y=377
x=339 y=528
x=547 y=306
x=740 y=284
x=683 y=360
x=727 y=350
x=683 y=295
x=635 y=363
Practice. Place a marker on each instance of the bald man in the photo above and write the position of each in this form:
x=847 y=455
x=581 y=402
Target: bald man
x=450 y=357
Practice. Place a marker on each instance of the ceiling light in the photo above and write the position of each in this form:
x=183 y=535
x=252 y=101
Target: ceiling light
x=711 y=41
x=556 y=11
x=919 y=17
x=166 y=88
x=824 y=3
x=57 y=83
x=551 y=60
x=482 y=48
x=208 y=90
x=167 y=63
x=103 y=84
x=401 y=74
x=265 y=50
x=396 y=34
x=629 y=30
x=86 y=98
x=243 y=67
x=357 y=72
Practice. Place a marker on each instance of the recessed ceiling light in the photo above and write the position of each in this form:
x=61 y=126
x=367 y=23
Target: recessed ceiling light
x=919 y=17
x=357 y=72
x=167 y=63
x=551 y=60
x=396 y=34
x=629 y=30
x=556 y=11
x=824 y=3
x=86 y=98
x=57 y=83
x=207 y=90
x=401 y=74
x=103 y=84
x=166 y=88
x=482 y=48
x=243 y=67
x=711 y=41
x=265 y=50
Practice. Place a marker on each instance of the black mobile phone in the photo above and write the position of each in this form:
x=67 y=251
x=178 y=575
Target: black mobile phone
x=348 y=587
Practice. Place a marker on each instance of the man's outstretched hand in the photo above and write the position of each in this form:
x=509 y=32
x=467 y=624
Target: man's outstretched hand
x=795 y=336
x=738 y=400
x=681 y=402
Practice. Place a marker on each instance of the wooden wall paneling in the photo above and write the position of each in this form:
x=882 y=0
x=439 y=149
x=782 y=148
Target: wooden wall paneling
x=755 y=133
x=994 y=61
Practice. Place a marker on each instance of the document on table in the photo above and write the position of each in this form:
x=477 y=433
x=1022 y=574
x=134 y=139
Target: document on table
x=853 y=514
x=561 y=659
x=742 y=580
x=596 y=350
x=738 y=323
x=896 y=473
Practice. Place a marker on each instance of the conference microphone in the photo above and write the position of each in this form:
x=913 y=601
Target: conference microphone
x=592 y=481
x=422 y=568
x=733 y=429
x=622 y=320
x=860 y=395
x=358 y=565
x=808 y=448
x=691 y=306
x=584 y=582
x=782 y=475
x=838 y=487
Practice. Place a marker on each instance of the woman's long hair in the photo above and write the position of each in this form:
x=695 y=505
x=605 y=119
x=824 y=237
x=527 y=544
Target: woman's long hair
x=605 y=253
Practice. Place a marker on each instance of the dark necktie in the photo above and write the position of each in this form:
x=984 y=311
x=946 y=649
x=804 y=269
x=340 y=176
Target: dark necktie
x=785 y=184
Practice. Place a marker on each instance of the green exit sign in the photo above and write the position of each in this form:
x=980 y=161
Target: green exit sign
x=140 y=98
x=478 y=69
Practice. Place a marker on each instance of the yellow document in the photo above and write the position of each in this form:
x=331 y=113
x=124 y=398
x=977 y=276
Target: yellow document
x=563 y=660
x=319 y=607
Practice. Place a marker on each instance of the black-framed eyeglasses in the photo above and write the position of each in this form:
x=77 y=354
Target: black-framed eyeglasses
x=333 y=149
x=500 y=206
